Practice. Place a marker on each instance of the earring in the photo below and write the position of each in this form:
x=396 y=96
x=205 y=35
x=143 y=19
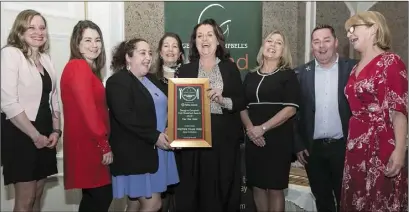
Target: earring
x=128 y=67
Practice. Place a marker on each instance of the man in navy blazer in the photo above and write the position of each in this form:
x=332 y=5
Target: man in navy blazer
x=323 y=117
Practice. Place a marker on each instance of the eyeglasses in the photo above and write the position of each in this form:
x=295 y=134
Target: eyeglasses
x=352 y=28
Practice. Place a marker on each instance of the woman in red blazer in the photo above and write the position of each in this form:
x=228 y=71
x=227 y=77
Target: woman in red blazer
x=87 y=153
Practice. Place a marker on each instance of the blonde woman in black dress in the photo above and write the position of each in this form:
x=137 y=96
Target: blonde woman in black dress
x=272 y=95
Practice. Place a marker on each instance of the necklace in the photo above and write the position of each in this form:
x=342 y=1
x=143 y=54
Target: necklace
x=172 y=69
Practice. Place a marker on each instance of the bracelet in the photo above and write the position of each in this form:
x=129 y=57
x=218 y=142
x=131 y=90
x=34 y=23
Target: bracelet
x=58 y=131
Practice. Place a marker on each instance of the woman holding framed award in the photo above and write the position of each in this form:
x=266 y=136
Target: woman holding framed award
x=144 y=166
x=210 y=177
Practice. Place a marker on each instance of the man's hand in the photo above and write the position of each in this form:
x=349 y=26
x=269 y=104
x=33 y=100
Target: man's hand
x=301 y=158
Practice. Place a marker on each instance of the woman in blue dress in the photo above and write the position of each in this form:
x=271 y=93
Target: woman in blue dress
x=144 y=164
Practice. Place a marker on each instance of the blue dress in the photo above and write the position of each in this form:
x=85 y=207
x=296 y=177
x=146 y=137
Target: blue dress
x=143 y=185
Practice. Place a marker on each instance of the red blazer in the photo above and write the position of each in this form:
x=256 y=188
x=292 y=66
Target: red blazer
x=86 y=126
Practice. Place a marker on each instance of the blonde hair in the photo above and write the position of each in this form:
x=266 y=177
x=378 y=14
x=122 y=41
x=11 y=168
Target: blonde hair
x=285 y=60
x=382 y=36
x=20 y=26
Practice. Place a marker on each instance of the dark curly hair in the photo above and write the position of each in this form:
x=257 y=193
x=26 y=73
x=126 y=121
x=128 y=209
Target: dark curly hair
x=124 y=48
x=221 y=52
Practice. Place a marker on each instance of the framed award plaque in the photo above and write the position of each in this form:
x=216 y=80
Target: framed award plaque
x=189 y=113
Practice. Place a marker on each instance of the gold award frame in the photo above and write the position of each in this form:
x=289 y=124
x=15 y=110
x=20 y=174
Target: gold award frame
x=189 y=113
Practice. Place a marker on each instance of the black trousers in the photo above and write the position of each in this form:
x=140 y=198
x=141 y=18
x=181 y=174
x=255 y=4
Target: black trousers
x=96 y=199
x=325 y=170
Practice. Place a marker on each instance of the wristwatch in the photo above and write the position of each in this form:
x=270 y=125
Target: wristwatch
x=58 y=131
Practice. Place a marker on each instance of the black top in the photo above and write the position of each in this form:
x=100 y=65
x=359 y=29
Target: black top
x=279 y=88
x=44 y=120
x=133 y=124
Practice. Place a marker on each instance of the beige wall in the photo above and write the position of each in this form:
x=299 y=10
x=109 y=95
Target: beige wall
x=335 y=13
x=289 y=18
x=146 y=20
x=396 y=15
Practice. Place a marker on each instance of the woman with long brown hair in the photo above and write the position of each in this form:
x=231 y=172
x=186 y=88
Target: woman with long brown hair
x=170 y=58
x=87 y=153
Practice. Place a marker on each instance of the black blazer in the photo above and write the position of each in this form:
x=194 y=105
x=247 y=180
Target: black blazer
x=133 y=124
x=232 y=88
x=306 y=114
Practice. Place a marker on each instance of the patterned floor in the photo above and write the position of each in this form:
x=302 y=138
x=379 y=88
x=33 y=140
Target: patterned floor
x=298 y=176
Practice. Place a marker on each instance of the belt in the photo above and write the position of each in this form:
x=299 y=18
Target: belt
x=327 y=141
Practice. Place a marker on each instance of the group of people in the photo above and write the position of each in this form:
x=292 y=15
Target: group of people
x=346 y=120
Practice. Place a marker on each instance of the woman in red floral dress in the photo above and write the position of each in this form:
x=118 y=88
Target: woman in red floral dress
x=375 y=174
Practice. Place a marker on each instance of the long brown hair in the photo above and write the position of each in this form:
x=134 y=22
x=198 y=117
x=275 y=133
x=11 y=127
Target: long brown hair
x=76 y=38
x=159 y=68
x=20 y=26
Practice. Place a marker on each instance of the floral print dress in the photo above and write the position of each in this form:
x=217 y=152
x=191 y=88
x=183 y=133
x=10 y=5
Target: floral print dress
x=380 y=88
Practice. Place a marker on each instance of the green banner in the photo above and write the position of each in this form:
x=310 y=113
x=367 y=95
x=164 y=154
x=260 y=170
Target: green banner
x=241 y=23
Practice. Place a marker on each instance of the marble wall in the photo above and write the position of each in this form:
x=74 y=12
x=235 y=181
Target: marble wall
x=146 y=20
x=288 y=17
x=396 y=15
x=335 y=13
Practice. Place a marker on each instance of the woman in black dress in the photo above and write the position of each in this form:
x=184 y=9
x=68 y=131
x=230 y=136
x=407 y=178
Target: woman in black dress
x=271 y=92
x=29 y=123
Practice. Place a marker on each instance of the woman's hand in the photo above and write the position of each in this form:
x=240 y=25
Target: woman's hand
x=107 y=158
x=215 y=95
x=260 y=141
x=163 y=142
x=255 y=134
x=396 y=163
x=53 y=139
x=41 y=141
